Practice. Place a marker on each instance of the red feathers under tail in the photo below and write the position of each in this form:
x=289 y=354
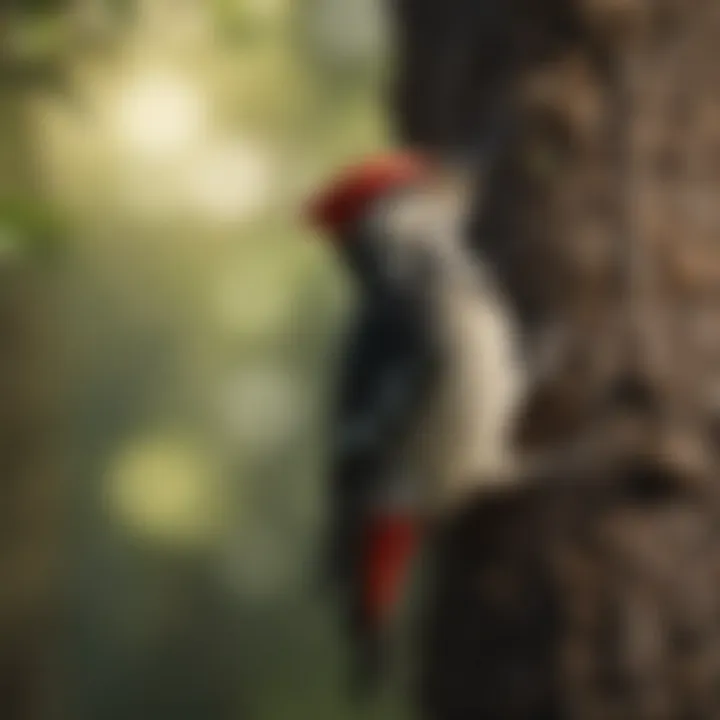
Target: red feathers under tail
x=391 y=544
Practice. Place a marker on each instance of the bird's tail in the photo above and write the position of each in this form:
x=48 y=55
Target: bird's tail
x=389 y=546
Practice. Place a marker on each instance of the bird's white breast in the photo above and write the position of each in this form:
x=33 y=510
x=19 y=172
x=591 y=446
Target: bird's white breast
x=471 y=417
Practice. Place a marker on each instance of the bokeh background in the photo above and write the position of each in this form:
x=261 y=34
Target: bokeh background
x=168 y=330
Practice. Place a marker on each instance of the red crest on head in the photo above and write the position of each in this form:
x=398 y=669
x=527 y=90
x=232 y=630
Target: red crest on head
x=344 y=201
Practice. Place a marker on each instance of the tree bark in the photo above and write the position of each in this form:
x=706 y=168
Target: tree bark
x=595 y=213
x=575 y=604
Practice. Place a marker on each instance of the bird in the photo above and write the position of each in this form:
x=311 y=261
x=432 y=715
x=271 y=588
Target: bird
x=431 y=379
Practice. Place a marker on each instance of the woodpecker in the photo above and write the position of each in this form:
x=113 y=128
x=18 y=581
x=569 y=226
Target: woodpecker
x=429 y=384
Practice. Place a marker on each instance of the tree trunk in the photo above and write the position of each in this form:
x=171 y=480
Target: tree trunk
x=599 y=120
x=575 y=604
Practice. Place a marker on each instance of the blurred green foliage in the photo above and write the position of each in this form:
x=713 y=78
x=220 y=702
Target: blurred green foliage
x=29 y=229
x=200 y=322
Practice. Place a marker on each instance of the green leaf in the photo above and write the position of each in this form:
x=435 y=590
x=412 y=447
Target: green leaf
x=29 y=228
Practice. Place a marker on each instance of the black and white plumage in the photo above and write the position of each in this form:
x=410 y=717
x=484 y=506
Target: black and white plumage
x=428 y=389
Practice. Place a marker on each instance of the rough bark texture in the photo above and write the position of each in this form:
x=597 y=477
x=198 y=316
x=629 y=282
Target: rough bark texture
x=599 y=212
x=569 y=603
x=596 y=117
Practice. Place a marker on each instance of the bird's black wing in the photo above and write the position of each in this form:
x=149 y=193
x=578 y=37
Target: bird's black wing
x=387 y=367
